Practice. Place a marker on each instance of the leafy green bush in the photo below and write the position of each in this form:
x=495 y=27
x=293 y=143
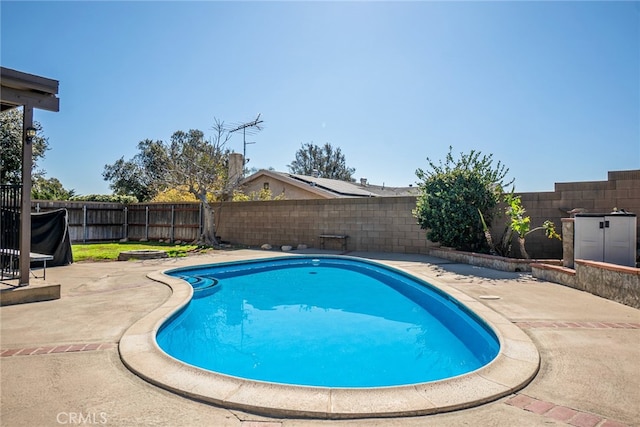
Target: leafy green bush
x=521 y=223
x=452 y=195
x=107 y=198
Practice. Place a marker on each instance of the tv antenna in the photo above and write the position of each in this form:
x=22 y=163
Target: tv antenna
x=250 y=128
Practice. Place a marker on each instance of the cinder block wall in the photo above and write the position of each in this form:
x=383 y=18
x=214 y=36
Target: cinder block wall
x=372 y=224
x=386 y=223
x=621 y=190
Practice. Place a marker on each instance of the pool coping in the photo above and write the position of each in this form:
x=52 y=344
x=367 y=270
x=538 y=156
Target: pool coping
x=516 y=364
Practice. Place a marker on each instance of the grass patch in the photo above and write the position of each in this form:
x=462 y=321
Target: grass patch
x=110 y=251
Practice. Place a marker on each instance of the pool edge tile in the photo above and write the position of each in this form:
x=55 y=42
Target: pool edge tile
x=376 y=402
x=462 y=392
x=282 y=400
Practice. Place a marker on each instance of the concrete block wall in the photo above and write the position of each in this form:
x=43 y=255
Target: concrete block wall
x=386 y=223
x=372 y=224
x=621 y=190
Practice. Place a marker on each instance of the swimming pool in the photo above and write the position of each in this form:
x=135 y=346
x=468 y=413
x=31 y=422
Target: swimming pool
x=324 y=321
x=516 y=364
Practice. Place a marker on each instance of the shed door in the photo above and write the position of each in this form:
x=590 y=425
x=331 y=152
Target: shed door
x=589 y=238
x=619 y=248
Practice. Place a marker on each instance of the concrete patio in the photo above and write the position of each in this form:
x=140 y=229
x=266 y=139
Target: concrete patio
x=60 y=362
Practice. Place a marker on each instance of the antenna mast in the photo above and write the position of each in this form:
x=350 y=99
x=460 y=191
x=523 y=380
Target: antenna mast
x=253 y=126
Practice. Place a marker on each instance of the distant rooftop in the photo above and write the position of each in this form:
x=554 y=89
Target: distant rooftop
x=343 y=188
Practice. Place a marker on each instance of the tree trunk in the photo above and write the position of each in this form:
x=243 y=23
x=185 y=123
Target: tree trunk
x=523 y=251
x=209 y=227
x=505 y=245
x=492 y=247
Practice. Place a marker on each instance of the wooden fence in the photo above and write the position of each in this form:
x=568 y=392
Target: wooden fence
x=95 y=221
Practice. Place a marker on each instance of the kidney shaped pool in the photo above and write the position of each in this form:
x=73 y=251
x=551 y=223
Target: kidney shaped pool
x=324 y=321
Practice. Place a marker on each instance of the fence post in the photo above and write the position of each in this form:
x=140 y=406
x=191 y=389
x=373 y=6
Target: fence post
x=172 y=237
x=125 y=225
x=84 y=223
x=146 y=223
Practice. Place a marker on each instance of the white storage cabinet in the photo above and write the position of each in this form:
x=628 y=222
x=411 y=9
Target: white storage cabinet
x=606 y=237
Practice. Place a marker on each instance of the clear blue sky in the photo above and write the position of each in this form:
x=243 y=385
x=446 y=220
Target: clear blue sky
x=551 y=89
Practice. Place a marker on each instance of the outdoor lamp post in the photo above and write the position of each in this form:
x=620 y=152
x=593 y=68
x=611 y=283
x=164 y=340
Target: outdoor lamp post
x=31 y=133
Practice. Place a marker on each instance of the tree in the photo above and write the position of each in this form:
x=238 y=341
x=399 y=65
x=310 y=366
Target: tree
x=201 y=166
x=174 y=195
x=11 y=147
x=263 y=195
x=188 y=162
x=327 y=161
x=519 y=224
x=49 y=189
x=141 y=176
x=457 y=196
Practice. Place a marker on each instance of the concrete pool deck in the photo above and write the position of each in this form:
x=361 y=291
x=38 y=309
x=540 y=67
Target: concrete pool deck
x=61 y=364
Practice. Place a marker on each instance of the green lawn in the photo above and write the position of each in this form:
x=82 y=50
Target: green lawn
x=110 y=251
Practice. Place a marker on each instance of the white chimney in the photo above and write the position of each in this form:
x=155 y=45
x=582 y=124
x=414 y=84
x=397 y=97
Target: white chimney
x=363 y=182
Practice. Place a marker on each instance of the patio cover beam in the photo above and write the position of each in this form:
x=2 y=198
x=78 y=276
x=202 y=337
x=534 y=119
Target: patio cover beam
x=20 y=89
x=16 y=97
x=29 y=91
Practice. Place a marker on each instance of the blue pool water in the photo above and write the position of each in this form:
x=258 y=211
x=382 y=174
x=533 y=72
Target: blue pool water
x=324 y=321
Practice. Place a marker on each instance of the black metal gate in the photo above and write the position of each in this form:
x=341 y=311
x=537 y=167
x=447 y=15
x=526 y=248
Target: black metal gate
x=10 y=200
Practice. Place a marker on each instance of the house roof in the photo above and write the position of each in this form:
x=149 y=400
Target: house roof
x=343 y=188
x=332 y=188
